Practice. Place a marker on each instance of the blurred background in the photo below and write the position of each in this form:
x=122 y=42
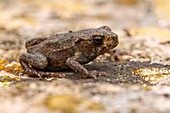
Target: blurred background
x=30 y=18
x=24 y=19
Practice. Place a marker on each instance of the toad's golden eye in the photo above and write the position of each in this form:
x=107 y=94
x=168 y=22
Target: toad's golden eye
x=98 y=40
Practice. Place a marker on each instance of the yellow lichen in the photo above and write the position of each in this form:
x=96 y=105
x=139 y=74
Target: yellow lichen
x=5 y=84
x=2 y=61
x=153 y=75
x=146 y=87
x=13 y=67
x=64 y=103
x=71 y=104
x=94 y=106
x=9 y=72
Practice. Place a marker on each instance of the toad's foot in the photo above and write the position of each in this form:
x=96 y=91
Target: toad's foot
x=34 y=73
x=41 y=74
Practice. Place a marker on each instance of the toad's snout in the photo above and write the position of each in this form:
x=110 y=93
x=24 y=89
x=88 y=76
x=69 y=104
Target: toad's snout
x=115 y=36
x=115 y=39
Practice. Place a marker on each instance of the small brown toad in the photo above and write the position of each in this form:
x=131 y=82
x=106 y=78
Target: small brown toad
x=46 y=56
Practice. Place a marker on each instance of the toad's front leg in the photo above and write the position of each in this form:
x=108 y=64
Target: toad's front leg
x=73 y=64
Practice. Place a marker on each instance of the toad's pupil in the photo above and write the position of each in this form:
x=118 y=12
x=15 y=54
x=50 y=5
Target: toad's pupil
x=98 y=40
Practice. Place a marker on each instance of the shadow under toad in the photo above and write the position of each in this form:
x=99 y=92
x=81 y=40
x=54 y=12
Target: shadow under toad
x=119 y=72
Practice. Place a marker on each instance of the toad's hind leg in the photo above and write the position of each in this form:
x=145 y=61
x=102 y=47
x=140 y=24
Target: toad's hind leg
x=34 y=41
x=30 y=63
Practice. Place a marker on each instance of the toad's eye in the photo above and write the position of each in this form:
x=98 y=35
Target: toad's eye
x=98 y=40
